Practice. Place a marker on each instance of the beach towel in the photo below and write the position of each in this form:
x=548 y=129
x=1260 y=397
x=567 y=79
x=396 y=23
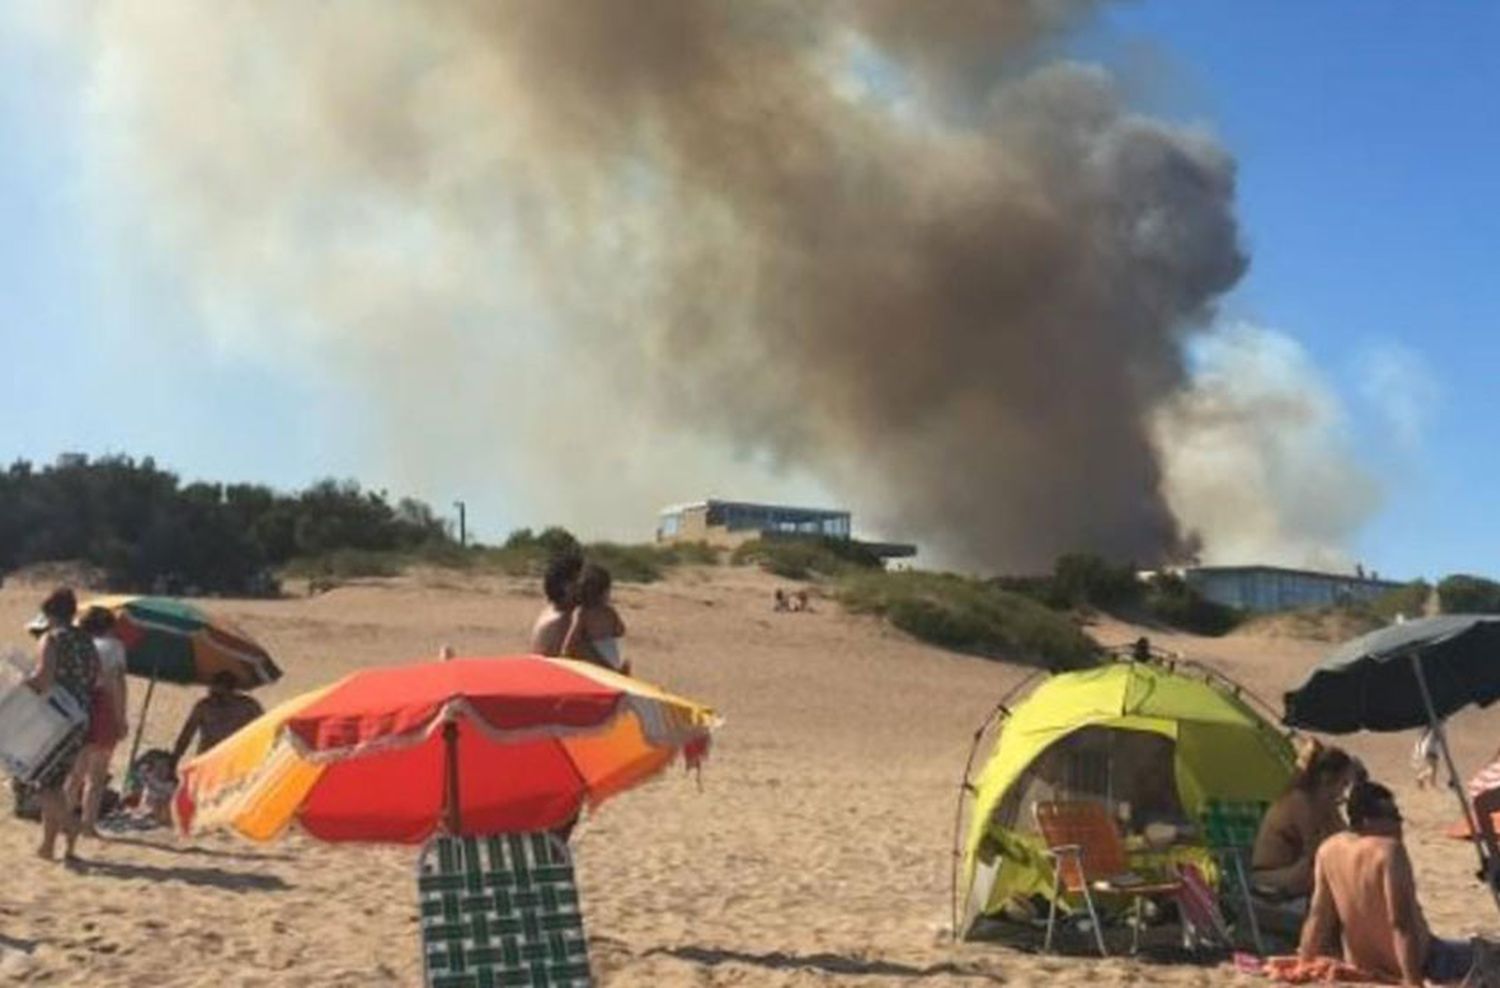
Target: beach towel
x=501 y=910
x=1319 y=970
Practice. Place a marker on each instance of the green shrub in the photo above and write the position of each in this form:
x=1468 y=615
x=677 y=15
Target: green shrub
x=1408 y=600
x=969 y=615
x=1082 y=579
x=1170 y=600
x=803 y=557
x=692 y=553
x=630 y=563
x=1465 y=594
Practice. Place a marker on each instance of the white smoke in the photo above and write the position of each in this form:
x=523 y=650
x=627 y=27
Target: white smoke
x=1397 y=382
x=1258 y=458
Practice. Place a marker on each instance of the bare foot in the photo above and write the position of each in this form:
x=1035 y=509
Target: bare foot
x=47 y=853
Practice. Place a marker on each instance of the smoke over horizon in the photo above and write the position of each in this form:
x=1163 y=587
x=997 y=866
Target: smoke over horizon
x=617 y=255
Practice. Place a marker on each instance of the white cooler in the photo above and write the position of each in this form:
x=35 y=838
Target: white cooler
x=33 y=729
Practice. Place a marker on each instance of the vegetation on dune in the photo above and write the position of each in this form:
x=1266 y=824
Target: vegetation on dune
x=969 y=615
x=805 y=557
x=1082 y=581
x=1462 y=593
x=1341 y=622
x=146 y=530
x=143 y=529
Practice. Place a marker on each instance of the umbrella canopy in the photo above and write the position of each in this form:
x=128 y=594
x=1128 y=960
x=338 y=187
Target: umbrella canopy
x=178 y=642
x=1371 y=683
x=472 y=746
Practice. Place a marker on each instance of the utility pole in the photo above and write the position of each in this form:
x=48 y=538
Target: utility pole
x=463 y=524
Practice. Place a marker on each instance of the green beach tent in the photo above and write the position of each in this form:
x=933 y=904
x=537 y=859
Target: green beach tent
x=1150 y=739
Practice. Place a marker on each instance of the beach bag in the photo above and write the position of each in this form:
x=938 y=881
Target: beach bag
x=24 y=804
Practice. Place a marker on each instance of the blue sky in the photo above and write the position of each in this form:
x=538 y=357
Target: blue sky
x=1367 y=138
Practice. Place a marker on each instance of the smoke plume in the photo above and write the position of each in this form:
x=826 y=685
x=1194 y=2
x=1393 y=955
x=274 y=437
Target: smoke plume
x=612 y=255
x=1256 y=451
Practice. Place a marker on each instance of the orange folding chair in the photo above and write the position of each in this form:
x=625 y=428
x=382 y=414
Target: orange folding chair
x=1087 y=857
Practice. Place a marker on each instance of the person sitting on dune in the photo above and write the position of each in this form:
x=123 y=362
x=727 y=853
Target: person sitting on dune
x=1304 y=816
x=219 y=714
x=1364 y=902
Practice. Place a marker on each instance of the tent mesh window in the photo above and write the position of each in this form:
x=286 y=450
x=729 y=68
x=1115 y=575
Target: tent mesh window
x=1131 y=772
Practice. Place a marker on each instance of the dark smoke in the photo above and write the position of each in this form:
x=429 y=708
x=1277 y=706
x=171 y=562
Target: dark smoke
x=896 y=245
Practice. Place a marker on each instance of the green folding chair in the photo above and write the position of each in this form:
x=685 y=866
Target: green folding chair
x=501 y=911
x=1229 y=830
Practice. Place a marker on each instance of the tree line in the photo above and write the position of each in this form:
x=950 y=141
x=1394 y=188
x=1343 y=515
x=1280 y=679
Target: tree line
x=147 y=531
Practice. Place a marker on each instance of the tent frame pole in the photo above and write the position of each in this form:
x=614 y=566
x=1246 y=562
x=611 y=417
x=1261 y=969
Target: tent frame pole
x=1438 y=732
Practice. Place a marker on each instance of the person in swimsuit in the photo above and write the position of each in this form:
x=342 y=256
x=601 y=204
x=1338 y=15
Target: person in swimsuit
x=595 y=630
x=107 y=724
x=551 y=625
x=1299 y=821
x=219 y=714
x=66 y=661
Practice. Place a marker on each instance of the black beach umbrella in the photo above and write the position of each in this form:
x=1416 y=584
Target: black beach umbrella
x=1414 y=674
x=1378 y=682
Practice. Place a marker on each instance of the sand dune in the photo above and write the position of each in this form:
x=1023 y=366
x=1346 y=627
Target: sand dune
x=816 y=852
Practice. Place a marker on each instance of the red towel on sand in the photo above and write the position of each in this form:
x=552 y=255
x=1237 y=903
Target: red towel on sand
x=1296 y=971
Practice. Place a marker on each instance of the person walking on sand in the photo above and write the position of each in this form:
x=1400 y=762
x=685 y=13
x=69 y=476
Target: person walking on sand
x=68 y=661
x=1364 y=903
x=107 y=723
x=551 y=625
x=595 y=629
x=1424 y=758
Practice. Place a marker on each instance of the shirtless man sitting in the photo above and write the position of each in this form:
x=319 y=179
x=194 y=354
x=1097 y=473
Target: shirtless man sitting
x=1364 y=902
x=219 y=714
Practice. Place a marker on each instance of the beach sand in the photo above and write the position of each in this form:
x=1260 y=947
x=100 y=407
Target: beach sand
x=816 y=852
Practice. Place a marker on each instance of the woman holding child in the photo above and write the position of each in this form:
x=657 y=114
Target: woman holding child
x=578 y=621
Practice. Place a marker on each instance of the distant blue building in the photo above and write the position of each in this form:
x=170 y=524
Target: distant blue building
x=1276 y=588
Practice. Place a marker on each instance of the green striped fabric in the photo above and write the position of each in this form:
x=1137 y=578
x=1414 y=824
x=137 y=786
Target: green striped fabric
x=1228 y=824
x=500 y=911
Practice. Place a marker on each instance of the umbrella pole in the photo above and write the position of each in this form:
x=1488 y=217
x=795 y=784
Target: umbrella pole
x=140 y=721
x=1453 y=783
x=452 y=817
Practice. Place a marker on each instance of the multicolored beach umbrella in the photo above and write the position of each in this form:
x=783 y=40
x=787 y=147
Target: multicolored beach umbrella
x=176 y=642
x=465 y=747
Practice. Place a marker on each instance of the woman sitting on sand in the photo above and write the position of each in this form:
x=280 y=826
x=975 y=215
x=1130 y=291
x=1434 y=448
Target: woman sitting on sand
x=1305 y=815
x=595 y=629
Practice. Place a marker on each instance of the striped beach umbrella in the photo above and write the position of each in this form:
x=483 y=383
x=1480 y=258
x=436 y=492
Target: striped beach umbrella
x=173 y=641
x=464 y=747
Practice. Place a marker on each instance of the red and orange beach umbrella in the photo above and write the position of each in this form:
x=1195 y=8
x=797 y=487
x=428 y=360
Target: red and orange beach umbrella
x=467 y=747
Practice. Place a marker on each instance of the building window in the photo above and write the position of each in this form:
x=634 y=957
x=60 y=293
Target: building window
x=671 y=524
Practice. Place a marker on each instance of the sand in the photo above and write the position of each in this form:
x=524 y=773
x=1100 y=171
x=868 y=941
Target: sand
x=817 y=851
